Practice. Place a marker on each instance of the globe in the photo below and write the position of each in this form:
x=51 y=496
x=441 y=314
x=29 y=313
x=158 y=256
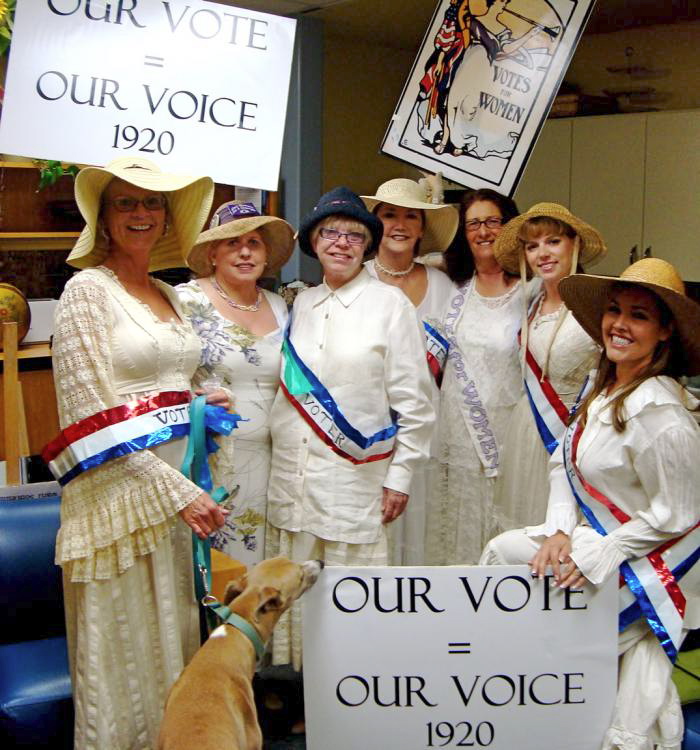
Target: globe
x=14 y=308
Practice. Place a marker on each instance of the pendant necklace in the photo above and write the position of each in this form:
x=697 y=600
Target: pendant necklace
x=246 y=308
x=389 y=272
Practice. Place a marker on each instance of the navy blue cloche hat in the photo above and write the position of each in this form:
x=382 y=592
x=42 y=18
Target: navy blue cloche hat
x=340 y=201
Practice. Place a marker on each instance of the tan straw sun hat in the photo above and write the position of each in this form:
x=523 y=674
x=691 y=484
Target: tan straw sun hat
x=234 y=218
x=189 y=201
x=586 y=296
x=507 y=248
x=441 y=219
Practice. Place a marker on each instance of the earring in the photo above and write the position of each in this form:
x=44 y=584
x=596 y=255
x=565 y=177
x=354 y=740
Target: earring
x=166 y=229
x=104 y=234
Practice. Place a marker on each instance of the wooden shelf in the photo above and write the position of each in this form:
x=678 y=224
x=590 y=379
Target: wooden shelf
x=30 y=351
x=37 y=240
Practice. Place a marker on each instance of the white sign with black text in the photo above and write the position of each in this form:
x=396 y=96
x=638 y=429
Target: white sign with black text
x=198 y=87
x=418 y=658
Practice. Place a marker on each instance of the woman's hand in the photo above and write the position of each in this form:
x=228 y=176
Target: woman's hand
x=203 y=515
x=217 y=397
x=555 y=551
x=393 y=504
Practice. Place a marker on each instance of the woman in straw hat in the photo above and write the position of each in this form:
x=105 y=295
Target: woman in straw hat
x=556 y=353
x=124 y=356
x=481 y=384
x=624 y=489
x=353 y=418
x=241 y=326
x=412 y=227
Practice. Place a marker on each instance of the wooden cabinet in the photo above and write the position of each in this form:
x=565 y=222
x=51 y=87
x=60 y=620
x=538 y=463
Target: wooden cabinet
x=635 y=177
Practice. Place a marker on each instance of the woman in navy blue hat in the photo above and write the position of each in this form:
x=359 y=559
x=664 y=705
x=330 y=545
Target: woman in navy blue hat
x=353 y=417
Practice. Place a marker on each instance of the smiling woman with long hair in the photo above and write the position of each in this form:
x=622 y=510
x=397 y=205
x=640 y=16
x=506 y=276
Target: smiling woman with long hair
x=624 y=498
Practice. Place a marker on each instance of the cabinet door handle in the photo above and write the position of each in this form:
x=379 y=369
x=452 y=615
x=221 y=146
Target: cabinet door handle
x=633 y=255
x=647 y=252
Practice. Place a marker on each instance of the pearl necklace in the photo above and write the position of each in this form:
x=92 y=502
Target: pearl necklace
x=389 y=272
x=246 y=308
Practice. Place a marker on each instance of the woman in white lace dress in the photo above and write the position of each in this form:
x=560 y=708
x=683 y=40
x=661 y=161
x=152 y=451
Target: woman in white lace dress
x=124 y=356
x=241 y=327
x=412 y=227
x=480 y=387
x=553 y=242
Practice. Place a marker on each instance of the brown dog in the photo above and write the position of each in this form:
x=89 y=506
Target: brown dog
x=211 y=706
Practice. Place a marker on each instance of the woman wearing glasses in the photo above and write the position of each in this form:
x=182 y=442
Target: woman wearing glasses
x=481 y=384
x=353 y=418
x=241 y=327
x=124 y=356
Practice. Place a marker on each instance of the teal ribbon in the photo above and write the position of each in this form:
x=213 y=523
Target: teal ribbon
x=205 y=421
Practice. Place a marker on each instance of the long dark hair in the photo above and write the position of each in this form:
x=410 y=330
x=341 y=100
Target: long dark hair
x=459 y=260
x=667 y=360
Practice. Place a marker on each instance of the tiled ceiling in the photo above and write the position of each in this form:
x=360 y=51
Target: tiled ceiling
x=402 y=23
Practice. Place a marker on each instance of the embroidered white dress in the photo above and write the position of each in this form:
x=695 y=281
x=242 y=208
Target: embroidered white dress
x=364 y=343
x=650 y=471
x=407 y=533
x=522 y=488
x=249 y=366
x=461 y=516
x=131 y=615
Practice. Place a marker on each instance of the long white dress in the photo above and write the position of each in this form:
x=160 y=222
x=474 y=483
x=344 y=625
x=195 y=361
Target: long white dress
x=131 y=615
x=522 y=488
x=407 y=532
x=461 y=514
x=249 y=366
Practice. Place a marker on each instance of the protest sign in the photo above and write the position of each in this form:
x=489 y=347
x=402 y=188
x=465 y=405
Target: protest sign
x=198 y=87
x=417 y=658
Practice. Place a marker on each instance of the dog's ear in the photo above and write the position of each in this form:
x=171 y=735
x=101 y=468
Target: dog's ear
x=270 y=600
x=235 y=587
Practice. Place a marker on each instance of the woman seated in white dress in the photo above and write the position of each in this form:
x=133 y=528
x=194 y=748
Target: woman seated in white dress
x=353 y=419
x=413 y=227
x=624 y=488
x=241 y=327
x=556 y=353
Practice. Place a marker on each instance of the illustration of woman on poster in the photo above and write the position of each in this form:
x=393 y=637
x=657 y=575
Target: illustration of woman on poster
x=463 y=111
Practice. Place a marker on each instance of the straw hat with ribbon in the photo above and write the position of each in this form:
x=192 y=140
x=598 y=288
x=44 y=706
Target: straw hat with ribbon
x=189 y=201
x=509 y=252
x=586 y=296
x=441 y=219
x=508 y=247
x=234 y=218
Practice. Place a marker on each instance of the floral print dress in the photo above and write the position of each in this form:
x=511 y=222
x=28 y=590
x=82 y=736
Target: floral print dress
x=249 y=366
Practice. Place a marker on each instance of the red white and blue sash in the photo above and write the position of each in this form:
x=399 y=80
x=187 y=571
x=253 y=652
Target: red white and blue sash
x=319 y=410
x=549 y=411
x=437 y=347
x=117 y=432
x=650 y=584
x=471 y=405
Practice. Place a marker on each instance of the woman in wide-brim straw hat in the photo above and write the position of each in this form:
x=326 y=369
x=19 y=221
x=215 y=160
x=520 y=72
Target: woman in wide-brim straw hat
x=624 y=489
x=121 y=348
x=353 y=418
x=414 y=226
x=549 y=243
x=241 y=326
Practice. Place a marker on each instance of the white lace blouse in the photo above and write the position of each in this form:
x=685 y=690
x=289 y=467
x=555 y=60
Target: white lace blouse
x=108 y=349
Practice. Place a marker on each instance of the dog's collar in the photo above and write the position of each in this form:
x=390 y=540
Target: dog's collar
x=236 y=621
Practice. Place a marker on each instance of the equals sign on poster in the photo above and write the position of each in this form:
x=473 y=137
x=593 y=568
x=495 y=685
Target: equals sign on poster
x=459 y=648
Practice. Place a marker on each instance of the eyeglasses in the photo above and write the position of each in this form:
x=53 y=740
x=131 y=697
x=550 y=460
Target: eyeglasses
x=493 y=222
x=124 y=203
x=353 y=238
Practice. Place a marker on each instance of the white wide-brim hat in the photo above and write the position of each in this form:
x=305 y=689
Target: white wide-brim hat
x=189 y=200
x=441 y=219
x=234 y=218
x=587 y=296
